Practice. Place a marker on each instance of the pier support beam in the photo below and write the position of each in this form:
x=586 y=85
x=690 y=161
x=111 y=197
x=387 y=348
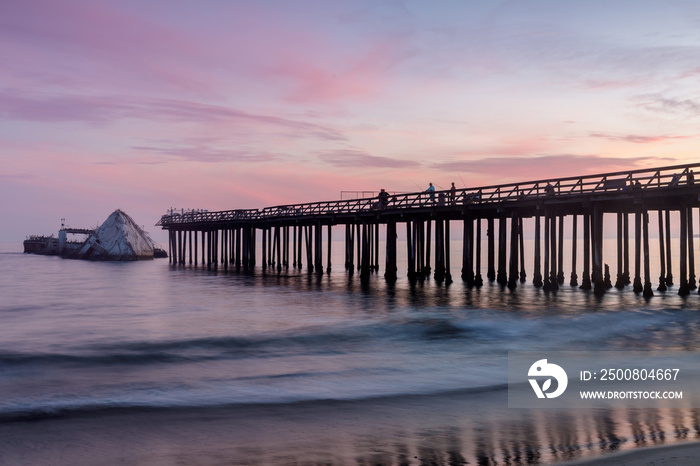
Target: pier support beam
x=390 y=269
x=560 y=256
x=647 y=293
x=669 y=268
x=662 y=253
x=468 y=251
x=574 y=277
x=490 y=233
x=586 y=281
x=691 y=252
x=513 y=275
x=439 y=251
x=537 y=273
x=523 y=274
x=620 y=280
x=411 y=251
x=366 y=252
x=502 y=276
x=637 y=286
x=553 y=276
x=478 y=280
x=546 y=283
x=684 y=289
x=597 y=235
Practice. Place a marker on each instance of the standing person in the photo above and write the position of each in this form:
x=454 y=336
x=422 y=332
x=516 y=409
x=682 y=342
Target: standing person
x=431 y=190
x=453 y=193
x=383 y=199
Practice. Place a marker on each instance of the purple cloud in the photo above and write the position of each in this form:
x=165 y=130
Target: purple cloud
x=360 y=159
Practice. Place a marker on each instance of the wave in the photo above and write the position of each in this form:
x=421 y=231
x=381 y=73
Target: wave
x=499 y=333
x=188 y=398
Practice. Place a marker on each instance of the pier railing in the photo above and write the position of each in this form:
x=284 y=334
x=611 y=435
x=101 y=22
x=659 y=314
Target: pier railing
x=607 y=183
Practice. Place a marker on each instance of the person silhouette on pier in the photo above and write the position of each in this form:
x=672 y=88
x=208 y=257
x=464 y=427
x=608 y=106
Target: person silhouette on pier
x=383 y=199
x=453 y=193
x=431 y=191
x=549 y=189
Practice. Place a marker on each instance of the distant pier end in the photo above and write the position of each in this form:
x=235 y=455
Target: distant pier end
x=293 y=235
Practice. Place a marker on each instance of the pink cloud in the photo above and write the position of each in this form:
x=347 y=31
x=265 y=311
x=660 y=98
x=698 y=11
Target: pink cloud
x=638 y=139
x=512 y=169
x=43 y=107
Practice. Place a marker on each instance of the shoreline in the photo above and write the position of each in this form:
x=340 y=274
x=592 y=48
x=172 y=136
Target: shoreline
x=684 y=453
x=454 y=428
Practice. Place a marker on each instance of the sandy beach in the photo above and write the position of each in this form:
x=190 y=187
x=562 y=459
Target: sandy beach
x=457 y=428
x=683 y=454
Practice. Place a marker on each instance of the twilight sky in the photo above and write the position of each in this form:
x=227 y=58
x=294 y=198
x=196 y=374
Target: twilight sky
x=221 y=104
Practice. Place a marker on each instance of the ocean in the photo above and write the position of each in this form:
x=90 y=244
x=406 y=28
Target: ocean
x=82 y=338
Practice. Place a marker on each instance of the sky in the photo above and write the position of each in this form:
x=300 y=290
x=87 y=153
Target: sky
x=147 y=105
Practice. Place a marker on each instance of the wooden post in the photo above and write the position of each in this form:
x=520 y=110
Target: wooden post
x=410 y=253
x=350 y=248
x=546 y=283
x=523 y=274
x=190 y=245
x=171 y=248
x=278 y=246
x=491 y=270
x=637 y=286
x=328 y=260
x=691 y=252
x=513 y=266
x=560 y=266
x=300 y=245
x=502 y=275
x=586 y=282
x=669 y=268
x=684 y=289
x=574 y=228
x=537 y=273
x=648 y=293
x=478 y=280
x=308 y=232
x=426 y=267
x=619 y=281
x=467 y=251
x=376 y=247
x=439 y=251
x=598 y=283
x=448 y=275
x=626 y=249
x=358 y=235
x=178 y=242
x=553 y=278
x=195 y=249
x=390 y=267
x=318 y=259
x=224 y=248
x=366 y=252
x=662 y=253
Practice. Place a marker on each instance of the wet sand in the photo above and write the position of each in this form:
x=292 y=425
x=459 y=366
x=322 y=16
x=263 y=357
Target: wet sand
x=683 y=454
x=455 y=428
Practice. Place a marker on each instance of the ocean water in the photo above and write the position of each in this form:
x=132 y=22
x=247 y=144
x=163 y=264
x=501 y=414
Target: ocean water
x=80 y=336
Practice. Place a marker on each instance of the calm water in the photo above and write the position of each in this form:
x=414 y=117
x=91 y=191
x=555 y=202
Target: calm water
x=87 y=336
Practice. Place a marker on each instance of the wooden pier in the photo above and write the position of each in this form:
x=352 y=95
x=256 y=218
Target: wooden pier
x=293 y=235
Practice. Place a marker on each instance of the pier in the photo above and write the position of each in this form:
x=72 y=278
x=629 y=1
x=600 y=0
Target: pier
x=285 y=236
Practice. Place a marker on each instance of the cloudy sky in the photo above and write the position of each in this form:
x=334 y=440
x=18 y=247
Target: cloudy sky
x=219 y=104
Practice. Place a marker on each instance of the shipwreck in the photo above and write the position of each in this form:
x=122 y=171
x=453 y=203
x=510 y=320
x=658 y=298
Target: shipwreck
x=119 y=238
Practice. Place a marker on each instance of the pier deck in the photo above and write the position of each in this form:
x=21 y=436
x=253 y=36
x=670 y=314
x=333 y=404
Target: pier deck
x=229 y=237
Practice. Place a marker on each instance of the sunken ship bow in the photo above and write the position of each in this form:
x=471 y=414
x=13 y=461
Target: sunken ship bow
x=119 y=238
